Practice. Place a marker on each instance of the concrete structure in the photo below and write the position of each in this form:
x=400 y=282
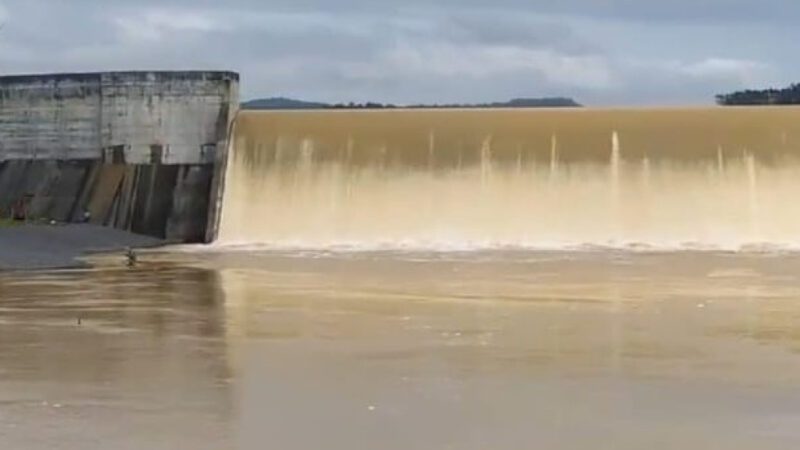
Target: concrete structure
x=137 y=150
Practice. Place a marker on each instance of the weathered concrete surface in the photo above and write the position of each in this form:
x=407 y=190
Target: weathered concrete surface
x=218 y=184
x=167 y=118
x=33 y=247
x=53 y=186
x=131 y=117
x=50 y=117
x=141 y=151
x=193 y=201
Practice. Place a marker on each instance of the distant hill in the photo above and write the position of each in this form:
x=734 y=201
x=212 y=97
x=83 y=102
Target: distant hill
x=546 y=102
x=281 y=103
x=785 y=96
x=277 y=103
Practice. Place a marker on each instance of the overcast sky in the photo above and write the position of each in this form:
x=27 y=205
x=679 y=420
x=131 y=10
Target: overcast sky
x=601 y=52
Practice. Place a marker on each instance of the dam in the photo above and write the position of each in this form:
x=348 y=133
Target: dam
x=691 y=178
x=169 y=155
x=136 y=151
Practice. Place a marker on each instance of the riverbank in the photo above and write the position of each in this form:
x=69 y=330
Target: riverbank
x=36 y=247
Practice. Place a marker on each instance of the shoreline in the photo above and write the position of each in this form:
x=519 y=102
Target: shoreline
x=47 y=247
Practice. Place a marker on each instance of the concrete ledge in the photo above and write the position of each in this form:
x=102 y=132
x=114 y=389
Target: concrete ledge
x=140 y=75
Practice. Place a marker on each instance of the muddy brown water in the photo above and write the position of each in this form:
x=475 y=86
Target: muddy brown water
x=718 y=178
x=396 y=350
x=570 y=279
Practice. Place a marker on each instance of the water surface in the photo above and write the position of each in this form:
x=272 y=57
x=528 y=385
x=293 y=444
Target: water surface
x=397 y=350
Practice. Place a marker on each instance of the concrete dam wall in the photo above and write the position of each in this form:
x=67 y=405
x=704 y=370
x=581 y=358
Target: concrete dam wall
x=140 y=151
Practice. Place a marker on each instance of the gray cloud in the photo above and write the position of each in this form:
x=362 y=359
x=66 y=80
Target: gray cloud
x=652 y=10
x=616 y=51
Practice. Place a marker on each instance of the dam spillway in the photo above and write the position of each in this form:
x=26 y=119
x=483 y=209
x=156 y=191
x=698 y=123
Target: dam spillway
x=722 y=178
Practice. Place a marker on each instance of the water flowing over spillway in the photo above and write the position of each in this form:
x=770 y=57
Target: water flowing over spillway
x=540 y=178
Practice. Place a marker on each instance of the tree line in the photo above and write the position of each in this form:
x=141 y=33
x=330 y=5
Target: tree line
x=772 y=96
x=287 y=103
x=546 y=102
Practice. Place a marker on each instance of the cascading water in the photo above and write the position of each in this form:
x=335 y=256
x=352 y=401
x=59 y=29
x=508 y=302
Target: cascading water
x=550 y=179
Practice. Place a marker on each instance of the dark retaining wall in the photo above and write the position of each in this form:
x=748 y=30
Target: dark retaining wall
x=165 y=201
